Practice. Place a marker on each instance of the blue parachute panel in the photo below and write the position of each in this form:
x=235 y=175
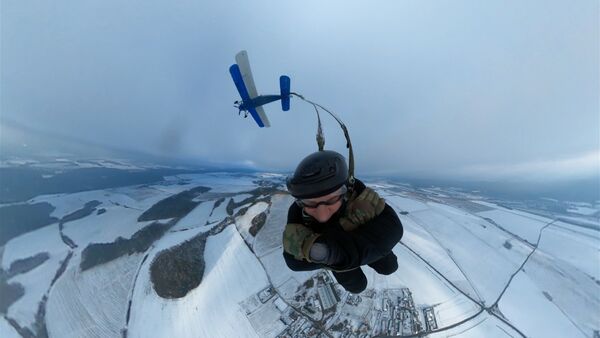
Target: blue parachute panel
x=256 y=117
x=236 y=75
x=284 y=84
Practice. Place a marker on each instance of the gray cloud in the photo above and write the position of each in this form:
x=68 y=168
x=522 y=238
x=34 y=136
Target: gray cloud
x=426 y=88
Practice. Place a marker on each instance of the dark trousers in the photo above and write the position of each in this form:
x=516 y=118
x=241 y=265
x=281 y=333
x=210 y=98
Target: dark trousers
x=355 y=280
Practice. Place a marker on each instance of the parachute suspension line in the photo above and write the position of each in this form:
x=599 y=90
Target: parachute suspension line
x=321 y=138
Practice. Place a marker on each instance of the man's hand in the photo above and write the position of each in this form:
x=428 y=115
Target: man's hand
x=297 y=240
x=362 y=209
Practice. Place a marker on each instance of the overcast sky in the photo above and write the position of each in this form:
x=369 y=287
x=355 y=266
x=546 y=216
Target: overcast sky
x=482 y=89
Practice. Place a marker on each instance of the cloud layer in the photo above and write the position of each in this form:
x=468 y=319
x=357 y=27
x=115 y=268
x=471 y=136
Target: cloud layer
x=424 y=87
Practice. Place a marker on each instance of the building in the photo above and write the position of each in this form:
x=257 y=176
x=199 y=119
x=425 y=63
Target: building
x=430 y=322
x=266 y=294
x=327 y=296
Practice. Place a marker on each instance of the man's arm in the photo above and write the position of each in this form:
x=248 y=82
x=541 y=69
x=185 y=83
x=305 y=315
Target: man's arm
x=367 y=244
x=292 y=240
x=298 y=265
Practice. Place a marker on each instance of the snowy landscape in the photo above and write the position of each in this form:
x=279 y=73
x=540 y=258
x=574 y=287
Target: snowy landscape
x=199 y=254
x=145 y=148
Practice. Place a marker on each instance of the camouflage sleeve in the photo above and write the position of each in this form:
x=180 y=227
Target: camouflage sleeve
x=298 y=239
x=361 y=209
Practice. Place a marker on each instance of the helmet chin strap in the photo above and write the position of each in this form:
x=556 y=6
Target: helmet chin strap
x=321 y=139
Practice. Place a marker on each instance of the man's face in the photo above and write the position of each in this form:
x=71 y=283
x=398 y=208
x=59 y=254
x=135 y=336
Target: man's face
x=323 y=211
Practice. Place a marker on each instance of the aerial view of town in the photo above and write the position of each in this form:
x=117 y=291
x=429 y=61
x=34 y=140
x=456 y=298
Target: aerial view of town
x=321 y=308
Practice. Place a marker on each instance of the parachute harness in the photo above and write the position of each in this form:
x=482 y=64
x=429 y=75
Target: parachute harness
x=321 y=138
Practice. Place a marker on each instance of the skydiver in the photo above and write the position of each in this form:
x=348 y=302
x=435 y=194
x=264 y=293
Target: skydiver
x=337 y=225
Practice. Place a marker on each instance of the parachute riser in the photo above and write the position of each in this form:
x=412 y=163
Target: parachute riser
x=321 y=138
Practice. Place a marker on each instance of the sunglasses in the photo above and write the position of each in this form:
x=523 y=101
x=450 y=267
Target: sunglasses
x=312 y=205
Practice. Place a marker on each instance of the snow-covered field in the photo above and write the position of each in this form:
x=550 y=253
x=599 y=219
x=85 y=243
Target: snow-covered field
x=197 y=217
x=37 y=281
x=488 y=272
x=525 y=305
x=525 y=227
x=92 y=303
x=483 y=325
x=6 y=330
x=477 y=251
x=244 y=222
x=569 y=244
x=211 y=310
x=450 y=305
x=270 y=236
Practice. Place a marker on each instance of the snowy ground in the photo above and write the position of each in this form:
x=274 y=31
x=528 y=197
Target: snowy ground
x=6 y=330
x=36 y=284
x=526 y=227
x=210 y=310
x=456 y=257
x=477 y=251
x=46 y=239
x=92 y=303
x=483 y=325
x=450 y=305
x=270 y=236
x=244 y=222
x=197 y=217
x=222 y=182
x=570 y=243
x=525 y=305
x=37 y=281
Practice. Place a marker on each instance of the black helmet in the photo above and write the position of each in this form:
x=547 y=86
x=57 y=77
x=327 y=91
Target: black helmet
x=318 y=174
